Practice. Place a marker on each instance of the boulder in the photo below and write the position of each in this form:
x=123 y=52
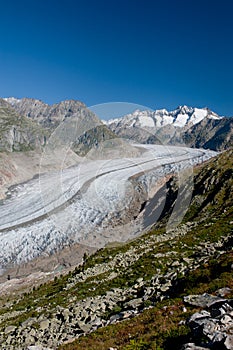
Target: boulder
x=229 y=342
x=44 y=324
x=10 y=329
x=192 y=346
x=204 y=300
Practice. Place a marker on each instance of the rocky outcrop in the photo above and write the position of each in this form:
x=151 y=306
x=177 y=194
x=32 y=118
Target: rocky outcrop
x=212 y=327
x=44 y=114
x=215 y=134
x=59 y=324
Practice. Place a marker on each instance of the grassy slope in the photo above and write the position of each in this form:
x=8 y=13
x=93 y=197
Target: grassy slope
x=162 y=326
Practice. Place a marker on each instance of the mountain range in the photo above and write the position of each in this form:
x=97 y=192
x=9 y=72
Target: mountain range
x=27 y=117
x=193 y=127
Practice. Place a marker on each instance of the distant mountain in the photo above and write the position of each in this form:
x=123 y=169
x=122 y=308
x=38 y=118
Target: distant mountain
x=196 y=127
x=180 y=117
x=80 y=121
x=46 y=115
x=216 y=134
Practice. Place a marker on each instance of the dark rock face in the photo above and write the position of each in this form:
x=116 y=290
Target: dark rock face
x=210 y=133
x=214 y=324
x=204 y=300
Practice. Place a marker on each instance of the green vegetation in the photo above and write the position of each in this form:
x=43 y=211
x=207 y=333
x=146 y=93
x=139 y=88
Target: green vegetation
x=162 y=326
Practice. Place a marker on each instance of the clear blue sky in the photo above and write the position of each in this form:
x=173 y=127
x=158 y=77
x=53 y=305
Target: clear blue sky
x=155 y=53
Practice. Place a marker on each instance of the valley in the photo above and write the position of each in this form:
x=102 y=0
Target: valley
x=54 y=209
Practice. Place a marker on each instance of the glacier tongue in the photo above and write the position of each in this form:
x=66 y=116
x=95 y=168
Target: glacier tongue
x=79 y=203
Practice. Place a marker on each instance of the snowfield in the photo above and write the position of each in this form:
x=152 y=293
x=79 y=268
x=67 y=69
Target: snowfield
x=181 y=117
x=80 y=203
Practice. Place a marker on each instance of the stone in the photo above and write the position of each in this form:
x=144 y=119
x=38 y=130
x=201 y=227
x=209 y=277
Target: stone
x=165 y=287
x=134 y=303
x=29 y=340
x=85 y=328
x=197 y=320
x=192 y=346
x=224 y=291
x=115 y=318
x=218 y=338
x=139 y=280
x=229 y=342
x=209 y=328
x=28 y=322
x=10 y=329
x=216 y=328
x=226 y=319
x=204 y=300
x=226 y=308
x=37 y=347
x=44 y=324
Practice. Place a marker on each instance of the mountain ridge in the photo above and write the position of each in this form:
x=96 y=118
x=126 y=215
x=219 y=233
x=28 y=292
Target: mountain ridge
x=46 y=118
x=181 y=116
x=193 y=127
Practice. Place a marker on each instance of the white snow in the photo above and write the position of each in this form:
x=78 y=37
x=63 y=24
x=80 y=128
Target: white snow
x=198 y=115
x=214 y=116
x=181 y=120
x=146 y=121
x=180 y=117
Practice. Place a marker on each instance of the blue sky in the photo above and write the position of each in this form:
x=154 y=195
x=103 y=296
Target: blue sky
x=159 y=54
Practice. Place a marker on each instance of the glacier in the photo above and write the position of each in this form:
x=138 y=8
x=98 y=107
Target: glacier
x=86 y=203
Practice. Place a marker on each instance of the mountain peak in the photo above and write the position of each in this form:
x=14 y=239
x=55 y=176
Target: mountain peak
x=12 y=100
x=185 y=108
x=182 y=116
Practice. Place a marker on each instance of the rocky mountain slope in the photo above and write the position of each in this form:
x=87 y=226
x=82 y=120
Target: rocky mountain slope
x=44 y=114
x=147 y=277
x=18 y=133
x=70 y=117
x=194 y=127
x=214 y=134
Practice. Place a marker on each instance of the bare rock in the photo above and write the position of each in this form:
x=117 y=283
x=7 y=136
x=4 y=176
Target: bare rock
x=204 y=300
x=229 y=342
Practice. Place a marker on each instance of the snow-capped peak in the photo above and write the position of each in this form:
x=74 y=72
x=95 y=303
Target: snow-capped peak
x=182 y=116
